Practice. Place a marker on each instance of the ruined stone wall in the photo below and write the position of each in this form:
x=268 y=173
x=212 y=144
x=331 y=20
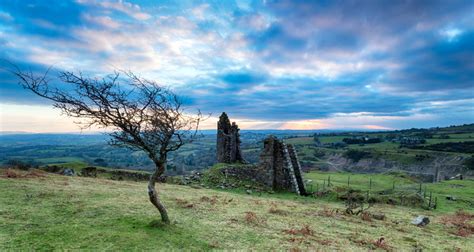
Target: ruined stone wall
x=281 y=167
x=297 y=168
x=228 y=141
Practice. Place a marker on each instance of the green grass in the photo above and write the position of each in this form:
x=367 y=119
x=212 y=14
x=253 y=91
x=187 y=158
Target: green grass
x=462 y=190
x=358 y=181
x=300 y=140
x=79 y=165
x=69 y=213
x=58 y=160
x=76 y=165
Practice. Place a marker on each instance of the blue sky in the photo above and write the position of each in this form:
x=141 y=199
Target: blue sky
x=269 y=64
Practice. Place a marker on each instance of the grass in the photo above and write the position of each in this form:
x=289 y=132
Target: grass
x=79 y=165
x=462 y=190
x=76 y=165
x=359 y=181
x=59 y=160
x=54 y=212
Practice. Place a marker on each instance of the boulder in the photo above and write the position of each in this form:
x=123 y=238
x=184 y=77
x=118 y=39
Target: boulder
x=68 y=172
x=452 y=198
x=378 y=216
x=421 y=221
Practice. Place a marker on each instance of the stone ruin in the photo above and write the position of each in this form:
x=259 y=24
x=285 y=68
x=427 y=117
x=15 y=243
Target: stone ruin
x=278 y=168
x=228 y=141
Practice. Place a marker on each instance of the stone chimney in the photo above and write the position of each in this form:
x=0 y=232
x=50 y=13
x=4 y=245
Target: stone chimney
x=228 y=141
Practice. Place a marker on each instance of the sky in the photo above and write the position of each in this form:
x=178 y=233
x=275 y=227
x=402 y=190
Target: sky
x=372 y=64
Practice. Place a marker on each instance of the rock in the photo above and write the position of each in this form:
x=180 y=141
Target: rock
x=248 y=191
x=68 y=172
x=379 y=216
x=222 y=187
x=421 y=221
x=452 y=198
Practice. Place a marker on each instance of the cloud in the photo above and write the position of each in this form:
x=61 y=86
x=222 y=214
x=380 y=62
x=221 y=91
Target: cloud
x=132 y=10
x=369 y=64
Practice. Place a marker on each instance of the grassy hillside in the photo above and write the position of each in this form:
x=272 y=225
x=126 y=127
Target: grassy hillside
x=43 y=211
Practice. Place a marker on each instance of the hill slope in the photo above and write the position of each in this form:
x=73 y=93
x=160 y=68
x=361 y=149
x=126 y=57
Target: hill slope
x=44 y=211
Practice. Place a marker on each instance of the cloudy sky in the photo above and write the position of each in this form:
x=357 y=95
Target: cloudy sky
x=370 y=64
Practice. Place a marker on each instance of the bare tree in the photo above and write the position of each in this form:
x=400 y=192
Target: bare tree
x=141 y=114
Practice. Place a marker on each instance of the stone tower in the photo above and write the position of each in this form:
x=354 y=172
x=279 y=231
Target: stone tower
x=228 y=141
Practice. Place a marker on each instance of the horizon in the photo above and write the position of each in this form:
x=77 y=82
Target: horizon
x=271 y=65
x=324 y=131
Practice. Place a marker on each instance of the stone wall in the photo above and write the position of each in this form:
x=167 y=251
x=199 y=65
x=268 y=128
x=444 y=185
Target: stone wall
x=280 y=166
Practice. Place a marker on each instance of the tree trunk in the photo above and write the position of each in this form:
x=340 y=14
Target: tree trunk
x=153 y=194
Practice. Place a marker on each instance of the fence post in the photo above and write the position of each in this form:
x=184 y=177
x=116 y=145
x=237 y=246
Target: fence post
x=393 y=186
x=348 y=181
x=317 y=187
x=436 y=203
x=329 y=180
x=429 y=204
x=367 y=196
x=370 y=184
x=420 y=189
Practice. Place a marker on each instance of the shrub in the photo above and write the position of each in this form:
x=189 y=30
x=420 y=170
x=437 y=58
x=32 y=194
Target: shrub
x=21 y=165
x=357 y=155
x=469 y=163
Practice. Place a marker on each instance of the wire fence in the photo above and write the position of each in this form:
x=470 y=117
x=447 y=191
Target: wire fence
x=394 y=192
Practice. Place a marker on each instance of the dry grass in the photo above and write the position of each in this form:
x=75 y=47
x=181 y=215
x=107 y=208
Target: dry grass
x=304 y=231
x=460 y=223
x=212 y=200
x=15 y=174
x=328 y=212
x=253 y=219
x=184 y=203
x=114 y=215
x=365 y=216
x=382 y=244
x=274 y=210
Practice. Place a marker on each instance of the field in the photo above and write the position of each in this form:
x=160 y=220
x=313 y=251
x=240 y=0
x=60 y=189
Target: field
x=386 y=150
x=44 y=212
x=462 y=190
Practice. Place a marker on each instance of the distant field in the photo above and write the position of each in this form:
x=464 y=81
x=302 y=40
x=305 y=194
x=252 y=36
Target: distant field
x=387 y=150
x=74 y=213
